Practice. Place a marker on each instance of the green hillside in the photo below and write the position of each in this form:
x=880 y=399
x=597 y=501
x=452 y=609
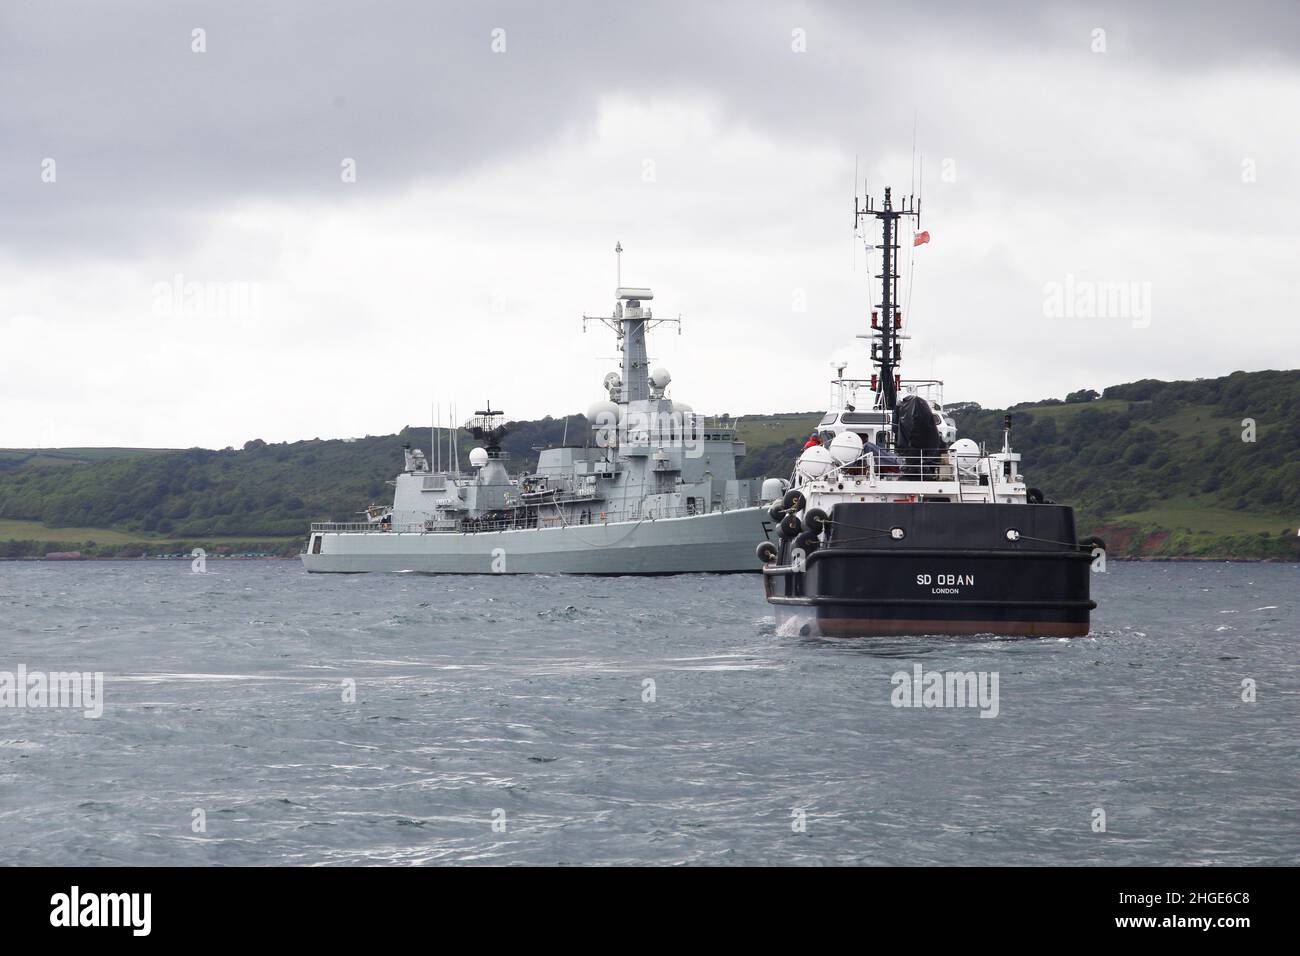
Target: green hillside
x=1157 y=468
x=16 y=457
x=1161 y=468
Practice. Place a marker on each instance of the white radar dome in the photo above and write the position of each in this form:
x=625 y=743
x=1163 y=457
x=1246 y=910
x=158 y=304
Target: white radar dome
x=774 y=488
x=660 y=378
x=846 y=447
x=815 y=462
x=478 y=457
x=965 y=451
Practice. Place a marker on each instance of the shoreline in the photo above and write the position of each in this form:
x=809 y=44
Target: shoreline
x=186 y=559
x=1153 y=558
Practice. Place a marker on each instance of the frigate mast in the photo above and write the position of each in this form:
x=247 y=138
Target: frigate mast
x=884 y=350
x=630 y=322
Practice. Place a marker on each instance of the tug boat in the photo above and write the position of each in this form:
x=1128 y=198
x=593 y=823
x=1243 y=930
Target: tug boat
x=890 y=525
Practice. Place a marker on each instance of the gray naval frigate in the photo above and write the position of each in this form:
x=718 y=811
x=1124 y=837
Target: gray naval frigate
x=651 y=490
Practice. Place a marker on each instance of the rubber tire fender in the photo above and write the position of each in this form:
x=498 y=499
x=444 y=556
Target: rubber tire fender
x=791 y=526
x=816 y=520
x=807 y=542
x=1090 y=542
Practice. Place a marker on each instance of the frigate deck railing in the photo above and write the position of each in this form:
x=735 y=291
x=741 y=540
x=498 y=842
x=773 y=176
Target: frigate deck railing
x=542 y=521
x=355 y=526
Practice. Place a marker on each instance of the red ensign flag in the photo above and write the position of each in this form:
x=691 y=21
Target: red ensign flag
x=920 y=238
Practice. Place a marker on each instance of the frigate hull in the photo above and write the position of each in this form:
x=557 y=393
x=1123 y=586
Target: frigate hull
x=716 y=542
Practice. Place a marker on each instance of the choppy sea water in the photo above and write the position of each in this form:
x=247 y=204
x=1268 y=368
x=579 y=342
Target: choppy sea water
x=508 y=720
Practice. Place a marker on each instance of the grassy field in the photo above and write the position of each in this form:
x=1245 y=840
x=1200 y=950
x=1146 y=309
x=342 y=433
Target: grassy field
x=1063 y=413
x=46 y=457
x=1185 y=422
x=11 y=530
x=777 y=429
x=1186 y=515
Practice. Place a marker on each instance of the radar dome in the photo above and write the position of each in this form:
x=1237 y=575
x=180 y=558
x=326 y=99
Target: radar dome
x=815 y=462
x=846 y=447
x=774 y=489
x=613 y=380
x=965 y=451
x=660 y=378
x=478 y=457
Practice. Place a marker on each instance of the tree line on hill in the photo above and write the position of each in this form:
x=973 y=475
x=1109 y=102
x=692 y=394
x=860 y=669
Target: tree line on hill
x=1128 y=449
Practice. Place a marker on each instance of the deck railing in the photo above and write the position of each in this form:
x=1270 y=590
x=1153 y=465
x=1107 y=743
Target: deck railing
x=539 y=520
x=354 y=526
x=919 y=466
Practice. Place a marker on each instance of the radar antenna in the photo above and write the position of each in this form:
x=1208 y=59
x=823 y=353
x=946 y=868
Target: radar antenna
x=485 y=428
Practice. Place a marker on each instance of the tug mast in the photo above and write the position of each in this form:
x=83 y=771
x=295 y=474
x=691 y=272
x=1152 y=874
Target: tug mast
x=886 y=319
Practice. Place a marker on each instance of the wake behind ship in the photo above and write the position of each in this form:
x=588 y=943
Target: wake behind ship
x=653 y=490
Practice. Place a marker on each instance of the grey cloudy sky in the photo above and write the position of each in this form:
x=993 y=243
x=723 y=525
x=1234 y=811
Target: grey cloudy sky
x=491 y=186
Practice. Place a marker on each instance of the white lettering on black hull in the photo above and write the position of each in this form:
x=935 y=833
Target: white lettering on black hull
x=945 y=579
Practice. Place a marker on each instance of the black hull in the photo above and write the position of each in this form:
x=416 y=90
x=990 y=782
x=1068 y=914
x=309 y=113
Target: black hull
x=954 y=572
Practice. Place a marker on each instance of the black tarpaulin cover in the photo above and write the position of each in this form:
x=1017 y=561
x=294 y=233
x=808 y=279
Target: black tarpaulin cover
x=916 y=427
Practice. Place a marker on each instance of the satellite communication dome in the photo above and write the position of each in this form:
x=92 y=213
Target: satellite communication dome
x=774 y=488
x=846 y=447
x=965 y=451
x=815 y=462
x=613 y=380
x=660 y=378
x=478 y=457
